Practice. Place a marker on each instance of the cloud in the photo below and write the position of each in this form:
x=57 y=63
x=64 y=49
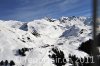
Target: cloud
x=26 y=10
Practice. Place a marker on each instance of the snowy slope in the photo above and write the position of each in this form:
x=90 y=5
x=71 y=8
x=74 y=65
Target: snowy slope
x=42 y=35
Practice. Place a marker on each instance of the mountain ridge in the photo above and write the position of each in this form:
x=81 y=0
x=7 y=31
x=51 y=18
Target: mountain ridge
x=42 y=35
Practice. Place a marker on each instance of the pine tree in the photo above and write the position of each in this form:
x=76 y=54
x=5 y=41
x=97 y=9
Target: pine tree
x=6 y=62
x=12 y=63
x=19 y=51
x=2 y=63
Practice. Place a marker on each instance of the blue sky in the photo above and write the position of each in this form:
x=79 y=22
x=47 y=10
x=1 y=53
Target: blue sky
x=27 y=10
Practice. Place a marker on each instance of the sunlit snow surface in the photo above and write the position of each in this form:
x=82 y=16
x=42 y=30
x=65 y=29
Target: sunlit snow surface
x=66 y=34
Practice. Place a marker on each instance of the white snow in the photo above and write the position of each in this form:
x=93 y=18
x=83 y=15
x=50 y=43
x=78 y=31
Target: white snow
x=66 y=31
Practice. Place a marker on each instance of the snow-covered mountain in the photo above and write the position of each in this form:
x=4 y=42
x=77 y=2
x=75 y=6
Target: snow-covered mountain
x=40 y=37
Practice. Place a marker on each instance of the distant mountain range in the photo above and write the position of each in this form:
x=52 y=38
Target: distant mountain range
x=28 y=43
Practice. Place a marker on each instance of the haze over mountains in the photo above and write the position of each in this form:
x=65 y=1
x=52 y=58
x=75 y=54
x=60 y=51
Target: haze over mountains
x=40 y=36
